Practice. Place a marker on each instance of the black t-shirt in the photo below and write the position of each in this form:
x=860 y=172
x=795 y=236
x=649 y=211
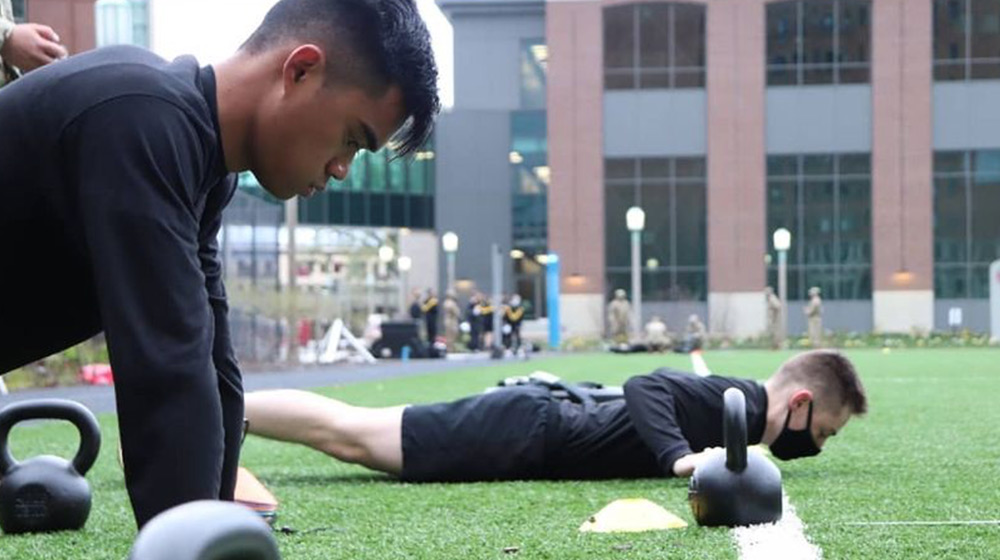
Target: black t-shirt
x=665 y=415
x=113 y=181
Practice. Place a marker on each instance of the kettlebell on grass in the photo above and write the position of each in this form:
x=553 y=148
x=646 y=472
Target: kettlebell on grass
x=206 y=530
x=46 y=493
x=735 y=488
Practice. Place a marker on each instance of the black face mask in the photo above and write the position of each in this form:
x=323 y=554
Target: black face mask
x=792 y=444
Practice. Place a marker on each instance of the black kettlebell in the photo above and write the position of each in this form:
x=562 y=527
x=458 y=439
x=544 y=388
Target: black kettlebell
x=46 y=493
x=735 y=488
x=206 y=530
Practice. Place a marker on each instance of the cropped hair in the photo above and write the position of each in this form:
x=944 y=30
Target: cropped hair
x=378 y=43
x=829 y=374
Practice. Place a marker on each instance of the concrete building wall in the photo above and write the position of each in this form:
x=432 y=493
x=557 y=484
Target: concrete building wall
x=574 y=34
x=902 y=190
x=736 y=166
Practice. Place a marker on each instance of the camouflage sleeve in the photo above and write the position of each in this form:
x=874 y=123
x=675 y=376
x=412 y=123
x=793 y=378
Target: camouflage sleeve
x=6 y=28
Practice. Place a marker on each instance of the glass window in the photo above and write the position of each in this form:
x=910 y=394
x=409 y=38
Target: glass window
x=534 y=65
x=853 y=41
x=619 y=47
x=20 y=15
x=782 y=43
x=984 y=29
x=654 y=45
x=818 y=42
x=966 y=40
x=673 y=194
x=966 y=228
x=825 y=201
x=617 y=201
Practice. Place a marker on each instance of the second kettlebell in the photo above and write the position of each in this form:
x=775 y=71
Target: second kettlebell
x=46 y=493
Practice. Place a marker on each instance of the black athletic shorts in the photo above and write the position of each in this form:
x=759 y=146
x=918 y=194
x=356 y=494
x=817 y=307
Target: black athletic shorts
x=499 y=435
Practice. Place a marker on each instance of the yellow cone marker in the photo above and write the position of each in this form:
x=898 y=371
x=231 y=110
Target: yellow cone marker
x=632 y=515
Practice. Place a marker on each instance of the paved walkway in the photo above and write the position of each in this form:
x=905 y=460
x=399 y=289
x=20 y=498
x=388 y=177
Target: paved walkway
x=102 y=399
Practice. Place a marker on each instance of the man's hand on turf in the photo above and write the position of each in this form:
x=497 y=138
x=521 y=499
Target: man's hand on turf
x=686 y=465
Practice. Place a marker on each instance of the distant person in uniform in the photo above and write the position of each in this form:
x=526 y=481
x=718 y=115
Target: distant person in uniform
x=25 y=46
x=485 y=312
x=695 y=335
x=619 y=317
x=474 y=321
x=814 y=317
x=667 y=423
x=452 y=318
x=774 y=306
x=513 y=316
x=657 y=337
x=416 y=312
x=429 y=308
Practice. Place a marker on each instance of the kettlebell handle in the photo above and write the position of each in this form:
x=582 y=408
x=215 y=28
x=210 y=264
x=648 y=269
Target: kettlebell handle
x=56 y=409
x=734 y=429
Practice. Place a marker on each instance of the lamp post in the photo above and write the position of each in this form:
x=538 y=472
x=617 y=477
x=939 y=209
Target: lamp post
x=449 y=242
x=635 y=219
x=404 y=264
x=782 y=241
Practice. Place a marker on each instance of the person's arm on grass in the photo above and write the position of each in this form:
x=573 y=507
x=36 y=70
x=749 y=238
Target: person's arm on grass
x=139 y=166
x=650 y=406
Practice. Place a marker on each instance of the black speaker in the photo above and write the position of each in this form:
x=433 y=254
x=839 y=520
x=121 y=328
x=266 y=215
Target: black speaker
x=396 y=335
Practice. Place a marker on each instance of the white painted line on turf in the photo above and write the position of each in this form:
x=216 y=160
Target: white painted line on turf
x=784 y=539
x=699 y=365
x=922 y=523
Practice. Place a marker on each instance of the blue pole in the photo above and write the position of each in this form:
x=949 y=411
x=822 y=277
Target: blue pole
x=552 y=299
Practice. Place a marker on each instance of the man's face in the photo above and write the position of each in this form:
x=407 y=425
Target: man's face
x=308 y=133
x=825 y=423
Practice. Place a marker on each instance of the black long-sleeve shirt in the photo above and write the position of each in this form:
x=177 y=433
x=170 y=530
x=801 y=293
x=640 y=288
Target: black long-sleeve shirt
x=665 y=415
x=677 y=413
x=112 y=186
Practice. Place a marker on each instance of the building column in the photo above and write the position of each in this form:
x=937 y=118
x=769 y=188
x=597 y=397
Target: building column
x=736 y=167
x=574 y=35
x=902 y=155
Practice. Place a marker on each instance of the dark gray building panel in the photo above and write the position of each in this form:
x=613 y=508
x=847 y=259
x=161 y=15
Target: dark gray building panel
x=819 y=119
x=473 y=188
x=487 y=59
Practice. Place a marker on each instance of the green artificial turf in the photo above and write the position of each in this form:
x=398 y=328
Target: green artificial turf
x=926 y=451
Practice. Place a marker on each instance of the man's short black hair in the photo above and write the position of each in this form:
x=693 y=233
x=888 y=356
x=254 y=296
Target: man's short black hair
x=379 y=43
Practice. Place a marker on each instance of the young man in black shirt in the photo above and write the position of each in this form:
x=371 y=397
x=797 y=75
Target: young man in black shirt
x=115 y=166
x=666 y=424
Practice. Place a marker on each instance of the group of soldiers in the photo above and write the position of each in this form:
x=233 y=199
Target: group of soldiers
x=813 y=312
x=657 y=336
x=478 y=319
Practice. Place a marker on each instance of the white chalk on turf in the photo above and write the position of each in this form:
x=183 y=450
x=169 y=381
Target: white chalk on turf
x=784 y=539
x=922 y=523
x=699 y=365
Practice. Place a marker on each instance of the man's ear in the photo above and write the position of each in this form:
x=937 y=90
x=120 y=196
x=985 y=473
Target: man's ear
x=800 y=398
x=305 y=62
